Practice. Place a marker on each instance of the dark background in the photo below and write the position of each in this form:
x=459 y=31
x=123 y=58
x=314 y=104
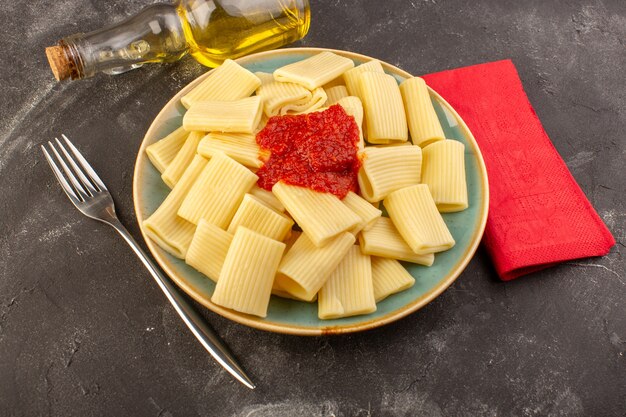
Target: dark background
x=84 y=330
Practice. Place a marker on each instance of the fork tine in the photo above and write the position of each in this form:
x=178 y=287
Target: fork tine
x=83 y=162
x=69 y=174
x=83 y=179
x=57 y=173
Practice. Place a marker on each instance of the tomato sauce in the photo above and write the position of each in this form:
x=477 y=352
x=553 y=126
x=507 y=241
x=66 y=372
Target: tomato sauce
x=314 y=150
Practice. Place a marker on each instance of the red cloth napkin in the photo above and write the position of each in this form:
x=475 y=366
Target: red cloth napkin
x=538 y=215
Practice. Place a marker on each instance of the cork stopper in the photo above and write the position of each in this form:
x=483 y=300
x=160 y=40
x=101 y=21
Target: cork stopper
x=59 y=62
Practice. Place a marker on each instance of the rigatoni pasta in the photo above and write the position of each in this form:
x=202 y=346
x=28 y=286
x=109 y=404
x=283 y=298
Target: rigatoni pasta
x=217 y=192
x=349 y=290
x=353 y=106
x=306 y=267
x=276 y=95
x=242 y=147
x=208 y=249
x=315 y=102
x=315 y=71
x=248 y=289
x=383 y=239
x=320 y=215
x=264 y=77
x=386 y=169
x=362 y=208
x=278 y=291
x=181 y=161
x=443 y=170
x=164 y=226
x=392 y=144
x=241 y=116
x=261 y=124
x=335 y=94
x=276 y=288
x=267 y=197
x=229 y=81
x=257 y=216
x=415 y=215
x=351 y=77
x=389 y=277
x=382 y=102
x=161 y=153
x=422 y=119
x=334 y=83
x=287 y=98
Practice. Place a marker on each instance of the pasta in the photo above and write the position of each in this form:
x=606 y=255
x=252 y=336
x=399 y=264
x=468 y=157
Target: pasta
x=383 y=240
x=242 y=147
x=335 y=94
x=422 y=119
x=264 y=77
x=261 y=124
x=392 y=144
x=255 y=215
x=267 y=197
x=286 y=97
x=217 y=192
x=414 y=213
x=276 y=95
x=334 y=83
x=280 y=292
x=173 y=233
x=229 y=81
x=240 y=116
x=353 y=106
x=317 y=100
x=443 y=170
x=161 y=153
x=382 y=102
x=389 y=277
x=306 y=267
x=315 y=71
x=208 y=249
x=351 y=77
x=387 y=169
x=181 y=161
x=320 y=215
x=248 y=289
x=276 y=288
x=349 y=290
x=222 y=223
x=367 y=212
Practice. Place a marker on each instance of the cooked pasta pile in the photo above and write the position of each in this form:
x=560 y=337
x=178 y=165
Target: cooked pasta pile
x=248 y=239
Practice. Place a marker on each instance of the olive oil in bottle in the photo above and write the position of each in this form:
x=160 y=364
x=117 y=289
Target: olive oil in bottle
x=210 y=30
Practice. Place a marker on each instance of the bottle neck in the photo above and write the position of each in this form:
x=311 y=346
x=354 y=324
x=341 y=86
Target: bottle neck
x=153 y=35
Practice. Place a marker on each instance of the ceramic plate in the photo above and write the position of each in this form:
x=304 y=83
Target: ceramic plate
x=294 y=317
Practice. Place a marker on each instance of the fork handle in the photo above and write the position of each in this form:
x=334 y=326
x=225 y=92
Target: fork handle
x=194 y=321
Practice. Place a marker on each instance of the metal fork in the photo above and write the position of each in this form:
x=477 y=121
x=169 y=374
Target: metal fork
x=89 y=194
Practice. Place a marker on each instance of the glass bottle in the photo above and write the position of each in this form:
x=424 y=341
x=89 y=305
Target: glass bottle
x=210 y=30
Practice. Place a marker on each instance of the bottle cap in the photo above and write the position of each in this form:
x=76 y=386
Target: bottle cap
x=59 y=63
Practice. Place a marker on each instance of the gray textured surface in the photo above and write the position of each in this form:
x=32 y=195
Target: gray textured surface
x=82 y=334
